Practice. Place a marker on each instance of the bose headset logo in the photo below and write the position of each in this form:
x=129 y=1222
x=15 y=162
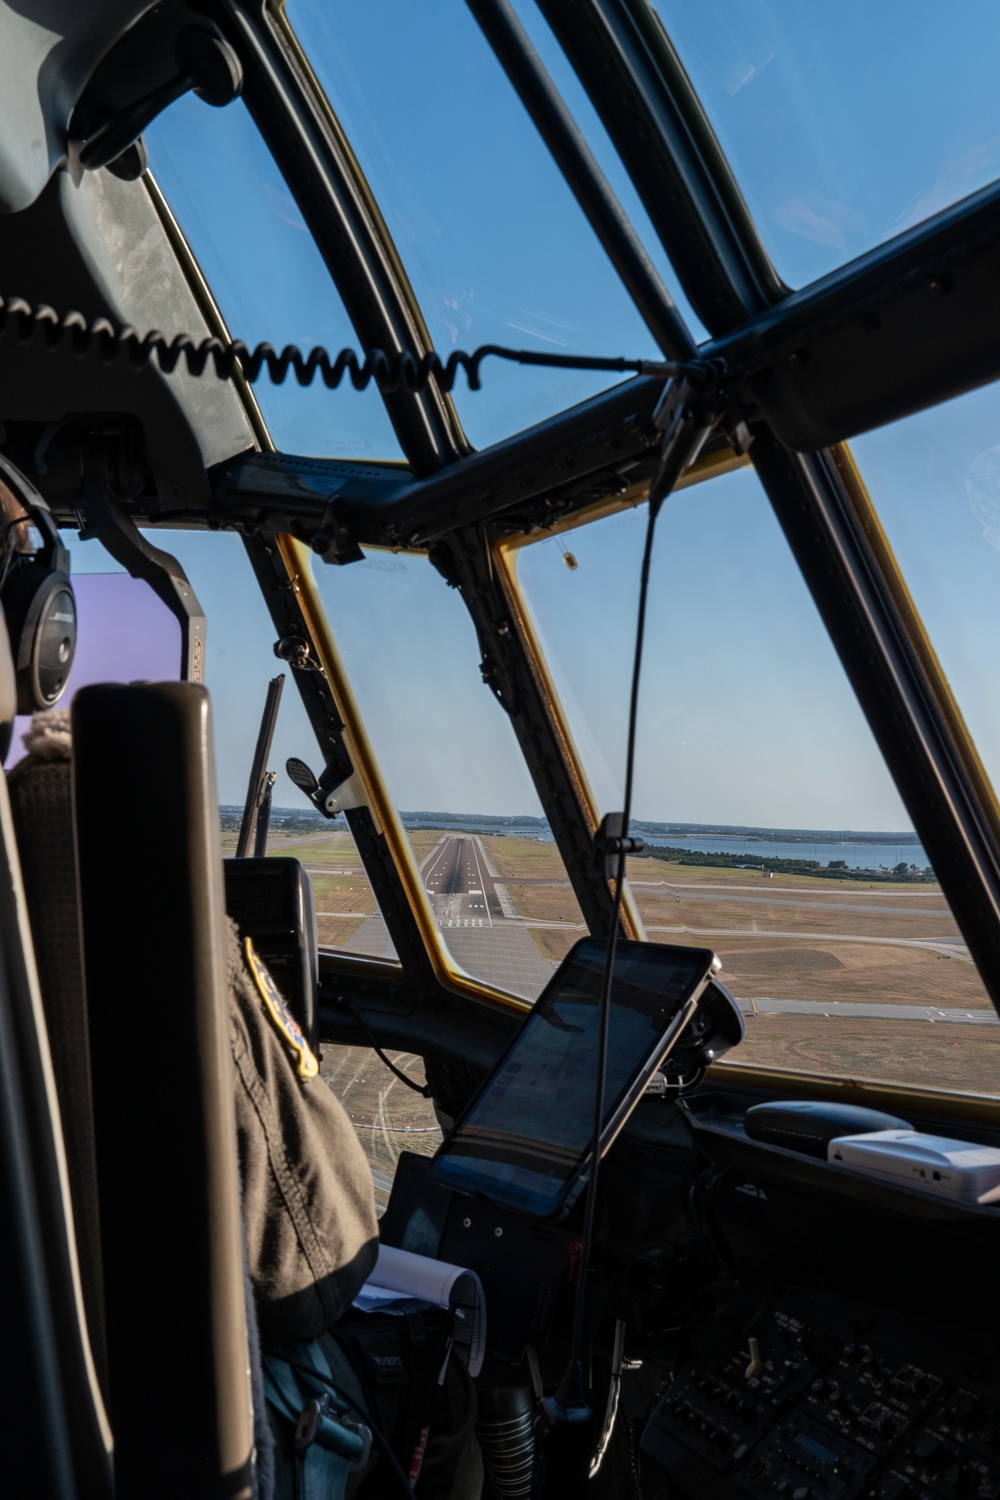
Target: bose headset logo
x=64 y=619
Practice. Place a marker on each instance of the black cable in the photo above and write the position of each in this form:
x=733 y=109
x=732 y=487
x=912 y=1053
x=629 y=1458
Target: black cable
x=390 y=372
x=424 y=1089
x=576 y=1346
x=686 y=416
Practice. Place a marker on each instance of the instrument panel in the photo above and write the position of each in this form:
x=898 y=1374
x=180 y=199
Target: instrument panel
x=817 y=1397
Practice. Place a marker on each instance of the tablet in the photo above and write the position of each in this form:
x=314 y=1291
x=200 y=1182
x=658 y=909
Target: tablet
x=526 y=1140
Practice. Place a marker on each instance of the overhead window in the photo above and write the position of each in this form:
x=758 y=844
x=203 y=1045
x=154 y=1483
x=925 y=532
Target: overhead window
x=775 y=834
x=492 y=240
x=265 y=272
x=846 y=124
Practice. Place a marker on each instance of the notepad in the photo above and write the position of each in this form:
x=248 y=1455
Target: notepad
x=400 y=1279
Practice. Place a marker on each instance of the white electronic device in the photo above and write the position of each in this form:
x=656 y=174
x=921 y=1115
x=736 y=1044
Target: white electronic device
x=959 y=1170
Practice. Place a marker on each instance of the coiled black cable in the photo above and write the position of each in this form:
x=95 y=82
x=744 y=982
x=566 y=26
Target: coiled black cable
x=390 y=372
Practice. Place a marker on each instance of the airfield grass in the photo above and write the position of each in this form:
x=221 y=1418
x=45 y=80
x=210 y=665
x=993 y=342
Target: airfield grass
x=336 y=932
x=966 y=1059
x=422 y=841
x=542 y=903
x=761 y=916
x=341 y=894
x=337 y=849
x=554 y=942
x=857 y=972
x=529 y=859
x=671 y=872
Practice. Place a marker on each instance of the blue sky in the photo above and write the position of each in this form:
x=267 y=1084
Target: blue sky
x=844 y=123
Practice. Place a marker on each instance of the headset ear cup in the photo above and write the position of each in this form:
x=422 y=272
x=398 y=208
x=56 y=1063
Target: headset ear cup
x=40 y=611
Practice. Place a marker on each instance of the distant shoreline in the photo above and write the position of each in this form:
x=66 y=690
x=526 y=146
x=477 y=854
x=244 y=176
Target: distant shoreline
x=737 y=831
x=862 y=852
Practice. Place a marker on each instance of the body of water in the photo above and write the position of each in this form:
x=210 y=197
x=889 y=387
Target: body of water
x=859 y=856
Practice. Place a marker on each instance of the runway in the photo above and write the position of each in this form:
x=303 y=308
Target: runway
x=477 y=921
x=458 y=880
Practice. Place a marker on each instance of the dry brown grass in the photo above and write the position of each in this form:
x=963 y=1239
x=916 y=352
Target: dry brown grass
x=337 y=849
x=724 y=915
x=529 y=859
x=543 y=903
x=334 y=932
x=839 y=972
x=343 y=893
x=554 y=942
x=422 y=841
x=963 y=1058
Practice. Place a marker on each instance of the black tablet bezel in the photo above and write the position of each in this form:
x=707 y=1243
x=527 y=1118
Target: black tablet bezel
x=703 y=972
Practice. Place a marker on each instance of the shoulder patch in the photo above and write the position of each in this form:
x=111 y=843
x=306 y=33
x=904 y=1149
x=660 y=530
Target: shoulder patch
x=284 y=1022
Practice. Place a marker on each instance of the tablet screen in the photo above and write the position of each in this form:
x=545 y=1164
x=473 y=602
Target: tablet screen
x=526 y=1137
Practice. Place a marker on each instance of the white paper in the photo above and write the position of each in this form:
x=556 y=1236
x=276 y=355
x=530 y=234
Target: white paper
x=400 y=1276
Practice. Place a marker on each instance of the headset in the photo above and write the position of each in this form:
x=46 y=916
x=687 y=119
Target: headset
x=39 y=608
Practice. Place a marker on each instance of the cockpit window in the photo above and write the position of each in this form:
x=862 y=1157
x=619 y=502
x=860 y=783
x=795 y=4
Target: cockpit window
x=934 y=481
x=238 y=665
x=493 y=242
x=497 y=886
x=265 y=272
x=844 y=124
x=774 y=832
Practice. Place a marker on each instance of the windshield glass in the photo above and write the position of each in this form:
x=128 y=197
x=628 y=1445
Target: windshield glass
x=265 y=272
x=934 y=481
x=844 y=124
x=496 y=883
x=239 y=663
x=491 y=238
x=774 y=832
